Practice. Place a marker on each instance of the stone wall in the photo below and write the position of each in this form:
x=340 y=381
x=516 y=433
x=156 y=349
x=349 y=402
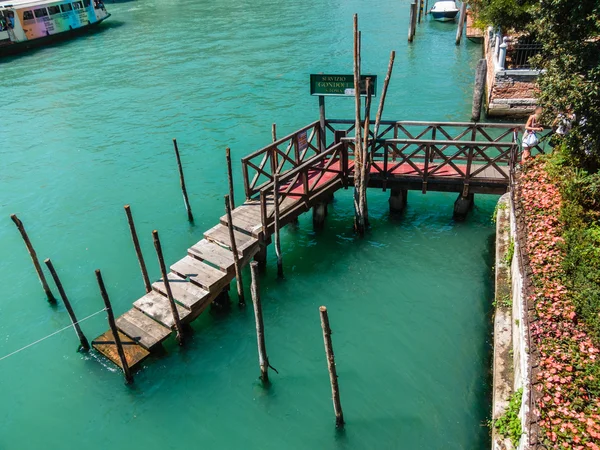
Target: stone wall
x=509 y=93
x=511 y=358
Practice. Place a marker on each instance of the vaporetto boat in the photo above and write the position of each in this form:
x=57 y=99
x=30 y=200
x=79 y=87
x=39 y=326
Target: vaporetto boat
x=27 y=23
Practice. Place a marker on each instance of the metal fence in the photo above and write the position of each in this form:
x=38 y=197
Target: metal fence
x=520 y=52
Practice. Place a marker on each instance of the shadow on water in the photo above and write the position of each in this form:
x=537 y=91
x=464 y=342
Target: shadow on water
x=64 y=41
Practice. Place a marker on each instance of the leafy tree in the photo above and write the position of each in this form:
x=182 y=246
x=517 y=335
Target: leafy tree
x=506 y=14
x=570 y=33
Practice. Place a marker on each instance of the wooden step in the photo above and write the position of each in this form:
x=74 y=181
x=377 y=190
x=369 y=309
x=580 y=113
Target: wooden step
x=157 y=306
x=203 y=275
x=220 y=235
x=142 y=329
x=134 y=353
x=212 y=253
x=184 y=292
x=246 y=218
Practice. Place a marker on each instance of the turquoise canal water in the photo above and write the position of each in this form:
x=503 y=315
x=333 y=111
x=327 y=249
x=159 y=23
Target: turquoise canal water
x=86 y=127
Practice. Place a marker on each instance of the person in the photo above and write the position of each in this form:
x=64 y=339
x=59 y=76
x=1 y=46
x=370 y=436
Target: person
x=530 y=138
x=562 y=125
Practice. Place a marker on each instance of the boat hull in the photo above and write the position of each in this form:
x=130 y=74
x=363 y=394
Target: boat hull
x=19 y=47
x=444 y=16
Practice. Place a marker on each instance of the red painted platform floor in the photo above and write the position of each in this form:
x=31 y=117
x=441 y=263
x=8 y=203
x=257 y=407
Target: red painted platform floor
x=404 y=169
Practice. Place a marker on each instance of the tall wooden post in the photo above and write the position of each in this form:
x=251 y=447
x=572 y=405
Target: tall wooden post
x=322 y=126
x=386 y=83
x=230 y=178
x=182 y=182
x=113 y=328
x=236 y=257
x=263 y=359
x=165 y=277
x=85 y=345
x=426 y=7
x=480 y=75
x=138 y=250
x=274 y=132
x=359 y=224
x=366 y=164
x=420 y=10
x=412 y=21
x=34 y=258
x=461 y=21
x=333 y=378
x=277 y=231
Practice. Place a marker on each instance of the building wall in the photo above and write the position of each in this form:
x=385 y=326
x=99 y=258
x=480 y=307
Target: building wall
x=509 y=93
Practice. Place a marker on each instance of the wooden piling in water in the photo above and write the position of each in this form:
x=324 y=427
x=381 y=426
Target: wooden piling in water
x=230 y=178
x=359 y=186
x=461 y=22
x=113 y=328
x=420 y=10
x=236 y=257
x=138 y=250
x=34 y=258
x=164 y=274
x=263 y=359
x=182 y=182
x=480 y=76
x=274 y=132
x=277 y=231
x=85 y=345
x=333 y=377
x=412 y=21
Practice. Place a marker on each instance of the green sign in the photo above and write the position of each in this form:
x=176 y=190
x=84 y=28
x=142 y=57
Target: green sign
x=340 y=85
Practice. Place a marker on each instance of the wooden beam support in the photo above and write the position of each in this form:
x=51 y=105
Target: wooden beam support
x=138 y=250
x=84 y=344
x=34 y=258
x=113 y=328
x=182 y=182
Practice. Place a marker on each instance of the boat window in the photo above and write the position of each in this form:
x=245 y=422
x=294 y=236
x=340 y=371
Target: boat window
x=66 y=7
x=27 y=15
x=86 y=3
x=41 y=12
x=53 y=10
x=77 y=5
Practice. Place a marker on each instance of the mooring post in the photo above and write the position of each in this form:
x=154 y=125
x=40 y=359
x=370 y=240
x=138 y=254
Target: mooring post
x=411 y=21
x=165 y=277
x=85 y=345
x=461 y=21
x=426 y=7
x=34 y=258
x=333 y=378
x=236 y=258
x=274 y=132
x=138 y=250
x=277 y=231
x=182 y=182
x=480 y=75
x=420 y=10
x=322 y=126
x=113 y=328
x=263 y=359
x=230 y=178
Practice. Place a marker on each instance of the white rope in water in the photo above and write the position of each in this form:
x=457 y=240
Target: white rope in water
x=50 y=335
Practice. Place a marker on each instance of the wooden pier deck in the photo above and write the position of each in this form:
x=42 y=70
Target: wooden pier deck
x=470 y=158
x=474 y=33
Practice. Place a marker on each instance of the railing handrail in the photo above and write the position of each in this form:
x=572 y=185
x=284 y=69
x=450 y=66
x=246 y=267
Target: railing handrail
x=434 y=124
x=279 y=142
x=438 y=141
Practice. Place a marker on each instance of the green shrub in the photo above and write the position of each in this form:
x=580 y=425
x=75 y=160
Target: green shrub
x=509 y=423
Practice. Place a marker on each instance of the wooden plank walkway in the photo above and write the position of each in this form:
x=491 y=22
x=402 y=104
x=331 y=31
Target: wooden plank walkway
x=411 y=162
x=195 y=280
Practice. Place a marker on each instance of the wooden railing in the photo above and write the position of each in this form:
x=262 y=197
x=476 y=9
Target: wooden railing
x=441 y=159
x=434 y=131
x=281 y=156
x=299 y=186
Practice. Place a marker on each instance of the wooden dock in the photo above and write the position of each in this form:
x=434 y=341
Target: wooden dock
x=474 y=33
x=470 y=158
